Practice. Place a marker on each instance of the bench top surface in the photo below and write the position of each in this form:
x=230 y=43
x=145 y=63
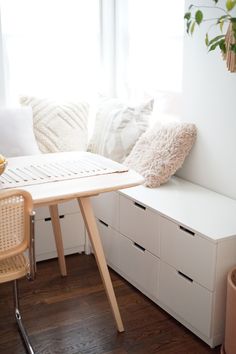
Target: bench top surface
x=206 y=212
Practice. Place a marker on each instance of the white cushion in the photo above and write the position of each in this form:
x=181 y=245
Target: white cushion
x=117 y=128
x=16 y=132
x=59 y=126
x=161 y=151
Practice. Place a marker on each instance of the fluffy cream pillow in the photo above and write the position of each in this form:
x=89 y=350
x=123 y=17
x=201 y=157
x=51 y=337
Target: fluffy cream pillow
x=59 y=126
x=17 y=135
x=161 y=151
x=118 y=127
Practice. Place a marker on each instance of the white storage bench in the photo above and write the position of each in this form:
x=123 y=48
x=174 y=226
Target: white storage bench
x=72 y=227
x=176 y=244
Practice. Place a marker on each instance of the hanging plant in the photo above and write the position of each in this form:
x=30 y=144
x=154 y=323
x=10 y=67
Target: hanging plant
x=225 y=41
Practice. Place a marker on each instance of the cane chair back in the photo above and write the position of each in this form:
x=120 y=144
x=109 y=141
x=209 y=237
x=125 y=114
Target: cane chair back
x=16 y=228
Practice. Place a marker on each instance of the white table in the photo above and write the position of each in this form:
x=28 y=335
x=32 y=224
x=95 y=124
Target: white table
x=51 y=193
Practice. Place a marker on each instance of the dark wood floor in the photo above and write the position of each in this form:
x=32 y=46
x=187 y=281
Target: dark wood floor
x=71 y=316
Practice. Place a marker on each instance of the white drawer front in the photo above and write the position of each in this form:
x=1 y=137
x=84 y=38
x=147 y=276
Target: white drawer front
x=109 y=242
x=73 y=234
x=106 y=208
x=189 y=300
x=73 y=230
x=139 y=267
x=70 y=207
x=188 y=252
x=41 y=213
x=140 y=224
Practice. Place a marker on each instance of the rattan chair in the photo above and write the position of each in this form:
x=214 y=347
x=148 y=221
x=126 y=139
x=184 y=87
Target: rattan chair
x=17 y=256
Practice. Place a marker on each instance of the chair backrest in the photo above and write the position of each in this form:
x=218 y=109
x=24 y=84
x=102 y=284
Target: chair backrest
x=16 y=211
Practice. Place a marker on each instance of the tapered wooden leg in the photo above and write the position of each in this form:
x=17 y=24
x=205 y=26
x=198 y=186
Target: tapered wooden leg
x=90 y=222
x=58 y=238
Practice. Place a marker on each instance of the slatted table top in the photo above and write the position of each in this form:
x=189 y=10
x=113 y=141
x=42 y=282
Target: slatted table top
x=55 y=177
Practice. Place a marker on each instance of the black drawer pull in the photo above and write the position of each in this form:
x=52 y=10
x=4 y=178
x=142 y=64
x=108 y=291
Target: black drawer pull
x=185 y=276
x=140 y=206
x=103 y=223
x=49 y=219
x=187 y=230
x=139 y=247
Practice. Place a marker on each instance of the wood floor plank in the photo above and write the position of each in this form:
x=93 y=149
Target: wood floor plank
x=71 y=315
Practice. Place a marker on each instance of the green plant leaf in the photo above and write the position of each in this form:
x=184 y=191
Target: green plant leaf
x=222 y=18
x=187 y=15
x=230 y=4
x=222 y=45
x=215 y=1
x=198 y=16
x=216 y=44
x=213 y=47
x=207 y=40
x=215 y=39
x=221 y=25
x=234 y=26
x=192 y=27
x=233 y=48
x=188 y=26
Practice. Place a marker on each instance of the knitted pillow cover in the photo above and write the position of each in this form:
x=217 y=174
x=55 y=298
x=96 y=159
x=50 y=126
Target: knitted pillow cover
x=59 y=126
x=118 y=127
x=161 y=151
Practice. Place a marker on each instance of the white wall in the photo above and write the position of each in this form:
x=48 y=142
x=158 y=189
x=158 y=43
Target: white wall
x=209 y=93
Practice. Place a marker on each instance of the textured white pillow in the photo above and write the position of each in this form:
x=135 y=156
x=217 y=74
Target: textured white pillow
x=59 y=126
x=118 y=127
x=16 y=132
x=161 y=151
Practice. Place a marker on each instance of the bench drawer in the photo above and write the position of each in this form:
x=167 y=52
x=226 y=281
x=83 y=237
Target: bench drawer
x=106 y=208
x=188 y=252
x=73 y=234
x=140 y=224
x=187 y=299
x=70 y=207
x=138 y=266
x=109 y=242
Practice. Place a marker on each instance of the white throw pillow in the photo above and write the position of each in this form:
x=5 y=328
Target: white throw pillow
x=59 y=126
x=16 y=132
x=161 y=151
x=118 y=127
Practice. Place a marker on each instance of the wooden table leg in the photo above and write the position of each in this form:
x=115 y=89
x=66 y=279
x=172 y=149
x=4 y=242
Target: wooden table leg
x=58 y=238
x=90 y=222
